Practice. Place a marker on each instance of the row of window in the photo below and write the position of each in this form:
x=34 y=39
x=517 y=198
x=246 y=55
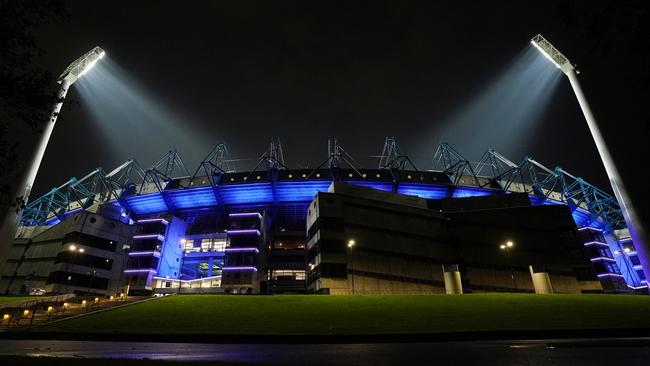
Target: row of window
x=205 y=245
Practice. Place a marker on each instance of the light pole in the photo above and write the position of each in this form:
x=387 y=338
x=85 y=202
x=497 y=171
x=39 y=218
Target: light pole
x=627 y=208
x=13 y=216
x=507 y=247
x=351 y=244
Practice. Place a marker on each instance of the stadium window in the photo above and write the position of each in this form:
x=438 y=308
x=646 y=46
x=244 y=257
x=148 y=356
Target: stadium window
x=205 y=245
x=218 y=245
x=189 y=246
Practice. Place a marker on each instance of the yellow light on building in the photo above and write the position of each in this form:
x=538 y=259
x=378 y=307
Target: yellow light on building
x=50 y=309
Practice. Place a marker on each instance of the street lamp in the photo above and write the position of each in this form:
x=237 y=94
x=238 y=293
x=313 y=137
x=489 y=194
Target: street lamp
x=507 y=247
x=629 y=213
x=12 y=219
x=351 y=244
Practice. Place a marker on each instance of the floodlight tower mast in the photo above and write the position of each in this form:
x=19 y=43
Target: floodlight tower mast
x=12 y=218
x=632 y=220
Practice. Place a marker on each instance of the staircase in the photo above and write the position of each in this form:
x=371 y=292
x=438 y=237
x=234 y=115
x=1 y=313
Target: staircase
x=33 y=313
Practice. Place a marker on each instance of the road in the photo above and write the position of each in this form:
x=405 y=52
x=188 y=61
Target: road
x=541 y=352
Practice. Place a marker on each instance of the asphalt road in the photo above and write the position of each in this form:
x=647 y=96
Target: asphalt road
x=540 y=352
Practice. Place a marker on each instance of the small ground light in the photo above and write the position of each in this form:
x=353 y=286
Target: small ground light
x=84 y=302
x=5 y=317
x=351 y=243
x=97 y=299
x=72 y=247
x=26 y=312
x=50 y=309
x=112 y=297
x=502 y=246
x=510 y=243
x=65 y=305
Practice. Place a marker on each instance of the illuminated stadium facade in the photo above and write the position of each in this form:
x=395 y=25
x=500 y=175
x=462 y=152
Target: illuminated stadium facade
x=269 y=229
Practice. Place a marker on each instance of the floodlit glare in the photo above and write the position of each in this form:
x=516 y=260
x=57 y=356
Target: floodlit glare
x=505 y=115
x=132 y=122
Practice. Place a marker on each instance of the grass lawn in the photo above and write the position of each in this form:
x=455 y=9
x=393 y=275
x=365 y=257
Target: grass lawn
x=12 y=299
x=372 y=314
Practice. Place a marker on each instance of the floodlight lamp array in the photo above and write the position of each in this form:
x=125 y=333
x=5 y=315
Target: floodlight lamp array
x=551 y=53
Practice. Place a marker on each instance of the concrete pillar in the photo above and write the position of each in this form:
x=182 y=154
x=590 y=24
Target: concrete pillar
x=541 y=281
x=451 y=274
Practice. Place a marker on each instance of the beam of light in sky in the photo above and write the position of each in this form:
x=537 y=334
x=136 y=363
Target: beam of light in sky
x=504 y=116
x=132 y=122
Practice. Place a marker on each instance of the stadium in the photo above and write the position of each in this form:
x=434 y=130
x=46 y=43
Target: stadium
x=341 y=228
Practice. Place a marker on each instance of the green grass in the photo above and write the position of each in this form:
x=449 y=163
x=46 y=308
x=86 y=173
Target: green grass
x=302 y=314
x=12 y=299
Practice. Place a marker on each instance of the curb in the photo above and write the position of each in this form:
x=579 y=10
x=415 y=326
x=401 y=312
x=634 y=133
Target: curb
x=221 y=338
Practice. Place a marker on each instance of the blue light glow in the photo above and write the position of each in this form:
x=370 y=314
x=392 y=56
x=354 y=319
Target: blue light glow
x=382 y=186
x=461 y=192
x=300 y=190
x=428 y=191
x=240 y=268
x=190 y=198
x=237 y=194
x=148 y=203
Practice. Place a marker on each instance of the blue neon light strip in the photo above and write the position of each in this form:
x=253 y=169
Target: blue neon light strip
x=462 y=192
x=237 y=194
x=605 y=259
x=590 y=229
x=140 y=270
x=149 y=236
x=382 y=186
x=189 y=198
x=148 y=203
x=243 y=232
x=240 y=268
x=300 y=191
x=596 y=243
x=245 y=214
x=251 y=249
x=428 y=191
x=145 y=254
x=147 y=221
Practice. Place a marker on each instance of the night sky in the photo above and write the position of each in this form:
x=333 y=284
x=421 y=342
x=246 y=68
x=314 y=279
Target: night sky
x=244 y=72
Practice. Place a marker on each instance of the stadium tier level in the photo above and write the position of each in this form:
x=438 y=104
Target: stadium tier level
x=458 y=226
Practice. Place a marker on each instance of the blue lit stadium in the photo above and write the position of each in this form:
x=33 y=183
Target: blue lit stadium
x=165 y=204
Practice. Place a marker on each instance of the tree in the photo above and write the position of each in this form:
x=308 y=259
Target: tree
x=27 y=91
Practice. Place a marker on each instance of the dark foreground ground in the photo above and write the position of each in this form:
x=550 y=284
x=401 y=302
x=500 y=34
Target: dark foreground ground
x=531 y=353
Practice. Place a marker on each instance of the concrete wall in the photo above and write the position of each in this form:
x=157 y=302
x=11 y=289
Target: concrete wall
x=400 y=244
x=47 y=243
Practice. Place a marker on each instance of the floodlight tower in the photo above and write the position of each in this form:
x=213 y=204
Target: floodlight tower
x=12 y=218
x=629 y=213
